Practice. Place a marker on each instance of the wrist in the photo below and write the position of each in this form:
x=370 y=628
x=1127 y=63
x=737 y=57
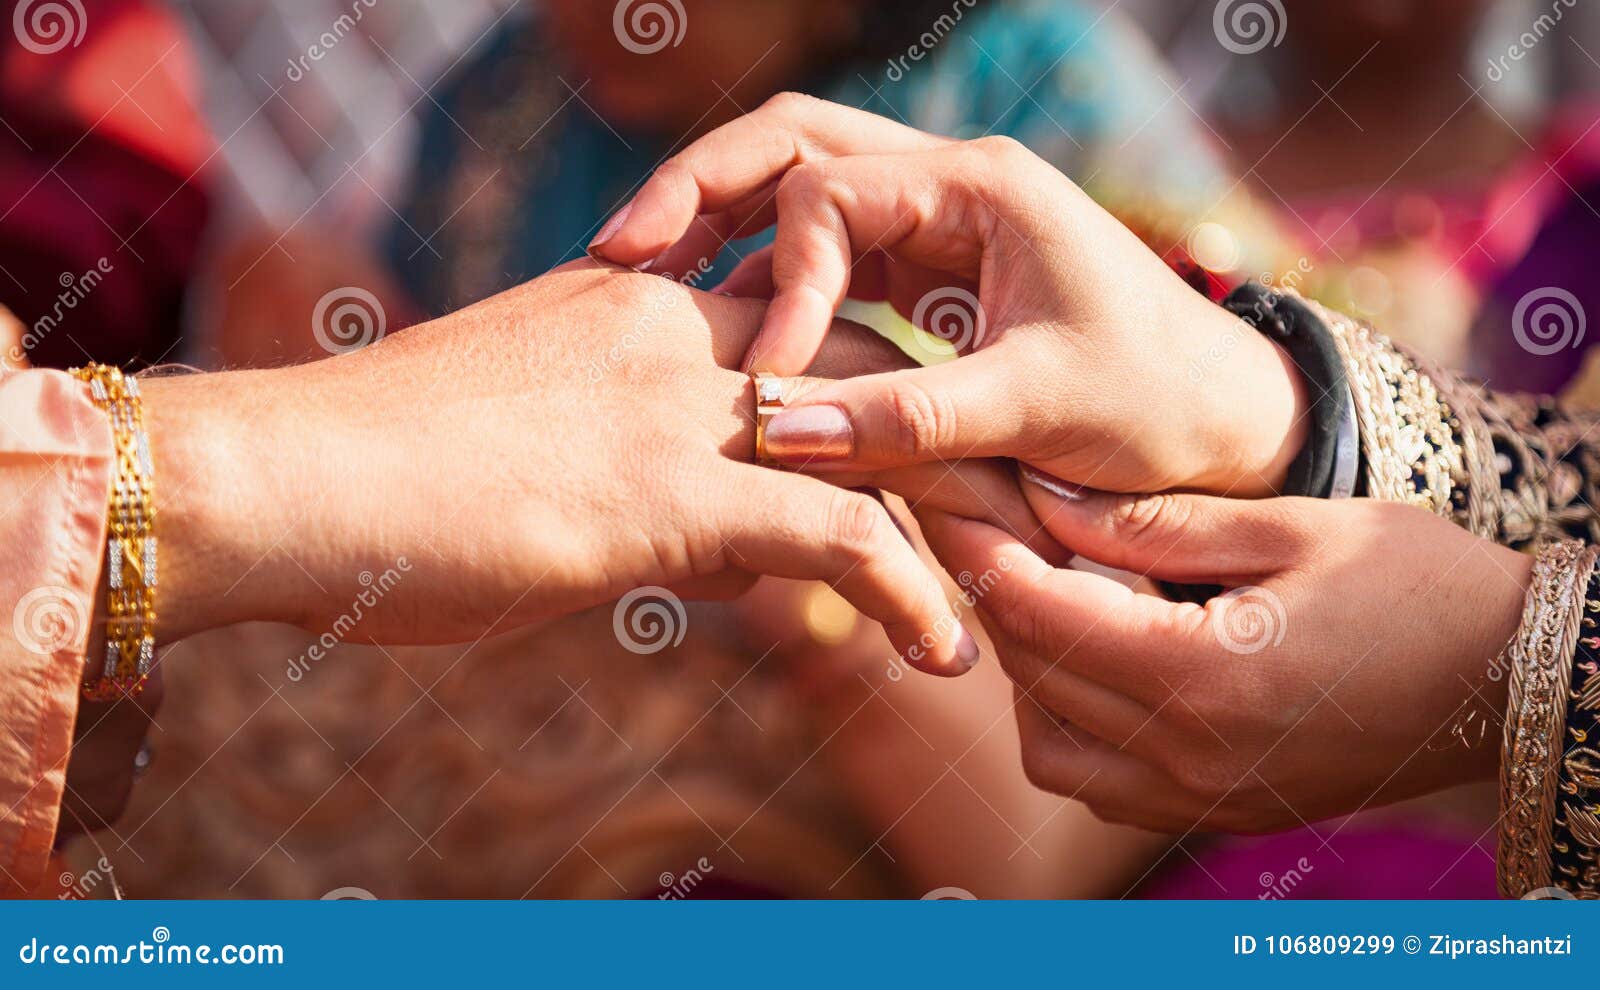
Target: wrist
x=1255 y=408
x=218 y=507
x=1481 y=663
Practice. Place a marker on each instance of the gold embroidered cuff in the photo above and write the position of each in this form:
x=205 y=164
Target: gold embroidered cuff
x=1423 y=438
x=1538 y=661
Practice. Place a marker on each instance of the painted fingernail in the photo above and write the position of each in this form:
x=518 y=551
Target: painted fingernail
x=610 y=229
x=1052 y=484
x=810 y=433
x=967 y=649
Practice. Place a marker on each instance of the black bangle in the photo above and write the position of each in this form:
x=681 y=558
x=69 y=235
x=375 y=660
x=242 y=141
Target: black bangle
x=1329 y=465
x=1326 y=467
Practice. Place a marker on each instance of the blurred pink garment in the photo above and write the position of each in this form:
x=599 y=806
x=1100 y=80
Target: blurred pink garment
x=56 y=463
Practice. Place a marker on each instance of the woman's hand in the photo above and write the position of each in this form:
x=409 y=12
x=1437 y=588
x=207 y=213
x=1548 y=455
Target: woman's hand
x=1085 y=354
x=546 y=450
x=1352 y=665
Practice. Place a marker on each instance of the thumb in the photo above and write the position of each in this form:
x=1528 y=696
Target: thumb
x=962 y=408
x=1175 y=537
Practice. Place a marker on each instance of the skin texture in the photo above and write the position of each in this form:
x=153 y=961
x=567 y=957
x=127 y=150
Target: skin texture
x=1175 y=716
x=1165 y=390
x=1099 y=365
x=496 y=450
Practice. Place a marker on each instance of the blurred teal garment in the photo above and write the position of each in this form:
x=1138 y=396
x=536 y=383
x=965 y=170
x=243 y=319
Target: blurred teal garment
x=541 y=171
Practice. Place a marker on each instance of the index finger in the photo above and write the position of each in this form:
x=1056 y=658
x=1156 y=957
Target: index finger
x=1092 y=624
x=740 y=159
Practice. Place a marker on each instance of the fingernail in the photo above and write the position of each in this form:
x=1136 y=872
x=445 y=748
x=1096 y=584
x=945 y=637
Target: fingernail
x=610 y=229
x=810 y=433
x=1052 y=484
x=967 y=649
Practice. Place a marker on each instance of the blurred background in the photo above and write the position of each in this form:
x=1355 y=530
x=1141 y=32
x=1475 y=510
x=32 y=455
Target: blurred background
x=238 y=183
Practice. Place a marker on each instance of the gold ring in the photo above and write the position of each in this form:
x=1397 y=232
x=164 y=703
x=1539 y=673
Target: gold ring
x=769 y=402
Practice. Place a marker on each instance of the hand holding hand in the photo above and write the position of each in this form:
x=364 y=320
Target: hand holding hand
x=1081 y=345
x=543 y=451
x=1307 y=692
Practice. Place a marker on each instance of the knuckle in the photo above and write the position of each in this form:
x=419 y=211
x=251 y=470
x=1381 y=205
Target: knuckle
x=1000 y=147
x=920 y=421
x=1201 y=775
x=1037 y=765
x=1143 y=519
x=677 y=175
x=788 y=104
x=856 y=525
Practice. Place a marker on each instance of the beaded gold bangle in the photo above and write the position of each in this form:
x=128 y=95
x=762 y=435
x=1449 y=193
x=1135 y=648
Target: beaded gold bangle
x=130 y=540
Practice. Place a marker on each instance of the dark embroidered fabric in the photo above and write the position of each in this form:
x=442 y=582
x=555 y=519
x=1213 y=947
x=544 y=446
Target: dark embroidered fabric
x=1575 y=849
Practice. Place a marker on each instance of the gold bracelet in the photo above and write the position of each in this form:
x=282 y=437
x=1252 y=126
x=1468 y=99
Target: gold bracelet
x=1538 y=661
x=130 y=540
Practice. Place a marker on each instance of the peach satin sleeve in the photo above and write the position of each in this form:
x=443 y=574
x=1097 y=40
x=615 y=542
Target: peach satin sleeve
x=56 y=464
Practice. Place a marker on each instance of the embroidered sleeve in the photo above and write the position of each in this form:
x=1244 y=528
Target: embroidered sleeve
x=1516 y=469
